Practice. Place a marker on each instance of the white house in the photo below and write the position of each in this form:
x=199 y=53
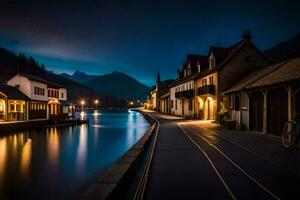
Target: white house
x=182 y=91
x=47 y=100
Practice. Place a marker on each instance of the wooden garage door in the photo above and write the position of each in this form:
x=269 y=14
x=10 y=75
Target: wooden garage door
x=256 y=111
x=277 y=110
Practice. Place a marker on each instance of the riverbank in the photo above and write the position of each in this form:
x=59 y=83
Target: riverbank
x=21 y=125
x=118 y=176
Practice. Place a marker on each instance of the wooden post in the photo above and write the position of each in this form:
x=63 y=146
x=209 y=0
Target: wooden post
x=265 y=112
x=290 y=96
x=241 y=114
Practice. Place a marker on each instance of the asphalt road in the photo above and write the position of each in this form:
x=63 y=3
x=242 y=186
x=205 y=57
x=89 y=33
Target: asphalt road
x=192 y=162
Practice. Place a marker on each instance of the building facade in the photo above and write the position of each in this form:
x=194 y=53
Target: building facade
x=266 y=99
x=47 y=100
x=182 y=91
x=226 y=66
x=13 y=104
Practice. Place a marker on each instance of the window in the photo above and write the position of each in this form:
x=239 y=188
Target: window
x=39 y=91
x=175 y=104
x=204 y=82
x=62 y=95
x=212 y=63
x=18 y=107
x=172 y=103
x=12 y=107
x=211 y=80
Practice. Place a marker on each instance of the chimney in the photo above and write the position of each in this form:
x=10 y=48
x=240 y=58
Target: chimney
x=247 y=35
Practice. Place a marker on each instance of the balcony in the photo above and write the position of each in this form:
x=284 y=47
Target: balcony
x=188 y=94
x=207 y=89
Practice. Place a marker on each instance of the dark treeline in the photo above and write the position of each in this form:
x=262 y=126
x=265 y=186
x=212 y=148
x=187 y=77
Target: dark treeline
x=11 y=63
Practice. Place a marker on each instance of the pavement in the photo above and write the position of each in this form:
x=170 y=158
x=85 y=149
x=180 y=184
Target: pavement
x=200 y=160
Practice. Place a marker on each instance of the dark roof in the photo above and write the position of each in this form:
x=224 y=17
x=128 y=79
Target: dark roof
x=165 y=94
x=220 y=53
x=194 y=60
x=271 y=75
x=287 y=72
x=162 y=92
x=180 y=81
x=12 y=92
x=39 y=79
x=224 y=54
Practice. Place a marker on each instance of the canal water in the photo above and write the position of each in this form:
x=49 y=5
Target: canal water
x=59 y=163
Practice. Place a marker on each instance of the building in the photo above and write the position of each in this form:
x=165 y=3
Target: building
x=47 y=100
x=154 y=94
x=266 y=98
x=164 y=101
x=182 y=90
x=198 y=90
x=13 y=104
x=225 y=67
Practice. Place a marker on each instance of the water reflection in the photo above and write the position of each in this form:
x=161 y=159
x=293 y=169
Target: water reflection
x=2 y=158
x=96 y=116
x=55 y=161
x=53 y=146
x=82 y=149
x=82 y=115
x=26 y=158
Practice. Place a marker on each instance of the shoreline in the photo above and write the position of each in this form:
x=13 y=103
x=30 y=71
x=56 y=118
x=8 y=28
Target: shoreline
x=46 y=123
x=120 y=172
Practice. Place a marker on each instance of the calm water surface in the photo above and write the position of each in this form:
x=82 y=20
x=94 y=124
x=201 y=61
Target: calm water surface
x=57 y=163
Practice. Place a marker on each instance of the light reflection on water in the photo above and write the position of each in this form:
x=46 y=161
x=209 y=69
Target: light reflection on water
x=53 y=163
x=26 y=158
x=53 y=146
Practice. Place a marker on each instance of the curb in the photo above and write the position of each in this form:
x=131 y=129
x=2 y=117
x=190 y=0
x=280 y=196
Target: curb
x=116 y=175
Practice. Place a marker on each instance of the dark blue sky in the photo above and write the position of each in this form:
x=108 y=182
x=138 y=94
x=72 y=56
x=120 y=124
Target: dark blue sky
x=135 y=36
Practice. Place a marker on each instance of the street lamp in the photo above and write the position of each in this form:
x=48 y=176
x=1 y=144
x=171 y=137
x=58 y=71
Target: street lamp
x=82 y=104
x=96 y=103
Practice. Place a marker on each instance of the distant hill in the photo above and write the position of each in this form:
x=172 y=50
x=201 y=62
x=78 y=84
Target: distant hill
x=284 y=50
x=164 y=83
x=80 y=77
x=10 y=64
x=120 y=85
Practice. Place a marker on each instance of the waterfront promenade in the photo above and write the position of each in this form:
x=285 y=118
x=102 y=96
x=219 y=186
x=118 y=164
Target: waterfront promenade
x=200 y=160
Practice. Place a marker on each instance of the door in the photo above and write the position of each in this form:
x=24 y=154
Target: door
x=277 y=110
x=256 y=111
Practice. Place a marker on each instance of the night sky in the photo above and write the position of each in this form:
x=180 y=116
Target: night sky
x=135 y=36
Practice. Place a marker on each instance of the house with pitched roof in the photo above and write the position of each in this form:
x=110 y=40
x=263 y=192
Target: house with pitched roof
x=47 y=100
x=182 y=92
x=226 y=66
x=266 y=98
x=13 y=104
